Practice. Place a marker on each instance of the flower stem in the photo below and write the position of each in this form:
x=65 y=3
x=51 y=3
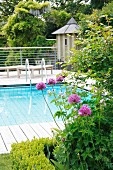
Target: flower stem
x=50 y=110
x=59 y=106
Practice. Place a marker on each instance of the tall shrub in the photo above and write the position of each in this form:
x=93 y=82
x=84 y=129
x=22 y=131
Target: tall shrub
x=95 y=55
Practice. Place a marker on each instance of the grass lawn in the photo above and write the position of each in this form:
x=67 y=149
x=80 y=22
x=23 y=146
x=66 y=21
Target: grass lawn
x=5 y=162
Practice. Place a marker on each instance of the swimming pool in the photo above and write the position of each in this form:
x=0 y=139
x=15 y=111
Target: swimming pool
x=19 y=105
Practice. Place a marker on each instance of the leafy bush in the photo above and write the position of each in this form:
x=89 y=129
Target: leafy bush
x=33 y=155
x=95 y=54
x=87 y=139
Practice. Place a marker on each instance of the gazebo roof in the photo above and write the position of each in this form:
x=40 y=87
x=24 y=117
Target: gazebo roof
x=70 y=27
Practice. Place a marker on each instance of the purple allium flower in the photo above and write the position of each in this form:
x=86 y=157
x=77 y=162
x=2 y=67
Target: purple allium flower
x=51 y=81
x=60 y=78
x=74 y=98
x=40 y=86
x=84 y=111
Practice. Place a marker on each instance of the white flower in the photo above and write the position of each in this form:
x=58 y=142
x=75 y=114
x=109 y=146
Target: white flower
x=60 y=93
x=49 y=92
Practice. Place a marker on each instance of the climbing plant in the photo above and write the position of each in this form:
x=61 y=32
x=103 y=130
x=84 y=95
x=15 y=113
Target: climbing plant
x=25 y=24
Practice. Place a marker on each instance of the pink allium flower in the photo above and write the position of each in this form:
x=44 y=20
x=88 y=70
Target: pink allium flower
x=84 y=111
x=51 y=81
x=74 y=98
x=40 y=86
x=60 y=78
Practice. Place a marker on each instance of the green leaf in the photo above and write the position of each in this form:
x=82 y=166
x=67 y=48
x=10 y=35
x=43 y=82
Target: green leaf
x=60 y=114
x=58 y=165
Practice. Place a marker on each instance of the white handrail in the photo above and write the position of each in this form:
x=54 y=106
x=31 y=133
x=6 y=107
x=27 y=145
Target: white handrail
x=6 y=48
x=28 y=69
x=43 y=66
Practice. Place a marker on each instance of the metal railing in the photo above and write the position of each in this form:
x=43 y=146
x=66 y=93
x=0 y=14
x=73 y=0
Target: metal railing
x=11 y=56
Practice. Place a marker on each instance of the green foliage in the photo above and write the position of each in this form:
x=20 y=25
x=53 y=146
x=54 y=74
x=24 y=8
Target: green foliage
x=99 y=4
x=85 y=145
x=7 y=8
x=5 y=162
x=108 y=9
x=72 y=7
x=103 y=16
x=86 y=141
x=54 y=20
x=13 y=58
x=33 y=155
x=2 y=40
x=43 y=42
x=78 y=6
x=22 y=27
x=59 y=166
x=95 y=54
x=107 y=14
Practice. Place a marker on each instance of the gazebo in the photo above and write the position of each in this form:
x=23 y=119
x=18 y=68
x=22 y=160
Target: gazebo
x=65 y=38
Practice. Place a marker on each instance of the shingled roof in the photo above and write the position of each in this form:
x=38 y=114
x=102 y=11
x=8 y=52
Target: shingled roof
x=70 y=27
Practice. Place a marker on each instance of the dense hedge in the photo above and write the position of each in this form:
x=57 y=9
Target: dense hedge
x=33 y=155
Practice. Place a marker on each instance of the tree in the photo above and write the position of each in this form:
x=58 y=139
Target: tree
x=97 y=4
x=107 y=14
x=55 y=19
x=23 y=27
x=7 y=8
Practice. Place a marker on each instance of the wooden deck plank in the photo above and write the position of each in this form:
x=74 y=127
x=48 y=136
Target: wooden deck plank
x=47 y=126
x=7 y=137
x=18 y=133
x=60 y=124
x=40 y=130
x=2 y=146
x=51 y=126
x=30 y=133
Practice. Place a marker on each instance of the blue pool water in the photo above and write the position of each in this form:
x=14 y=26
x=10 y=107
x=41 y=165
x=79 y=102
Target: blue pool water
x=19 y=105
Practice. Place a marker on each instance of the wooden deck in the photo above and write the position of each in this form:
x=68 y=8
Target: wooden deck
x=14 y=80
x=19 y=133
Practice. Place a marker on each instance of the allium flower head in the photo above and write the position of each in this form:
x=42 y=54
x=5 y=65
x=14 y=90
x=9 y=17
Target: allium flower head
x=74 y=98
x=51 y=81
x=84 y=111
x=40 y=86
x=60 y=78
